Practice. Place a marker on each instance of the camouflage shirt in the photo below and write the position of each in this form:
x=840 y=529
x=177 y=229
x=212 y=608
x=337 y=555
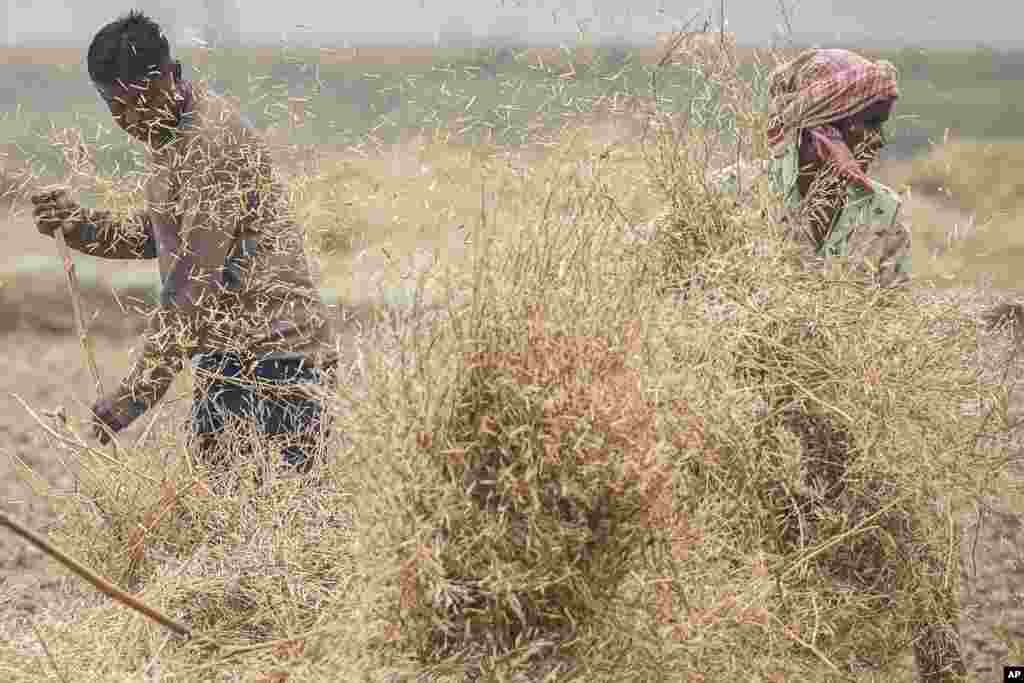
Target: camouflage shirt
x=232 y=262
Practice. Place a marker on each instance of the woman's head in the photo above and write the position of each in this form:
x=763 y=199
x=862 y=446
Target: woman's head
x=864 y=132
x=834 y=104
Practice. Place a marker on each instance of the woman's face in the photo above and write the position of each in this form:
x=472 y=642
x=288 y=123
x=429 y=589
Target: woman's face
x=865 y=133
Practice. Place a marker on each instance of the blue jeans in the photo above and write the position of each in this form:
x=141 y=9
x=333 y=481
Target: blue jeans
x=268 y=394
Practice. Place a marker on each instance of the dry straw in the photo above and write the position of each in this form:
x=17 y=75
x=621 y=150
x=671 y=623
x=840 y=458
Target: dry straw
x=585 y=450
x=96 y=580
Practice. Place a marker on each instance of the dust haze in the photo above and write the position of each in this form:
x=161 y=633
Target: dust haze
x=987 y=22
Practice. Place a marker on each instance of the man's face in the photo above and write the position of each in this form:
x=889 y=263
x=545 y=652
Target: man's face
x=144 y=107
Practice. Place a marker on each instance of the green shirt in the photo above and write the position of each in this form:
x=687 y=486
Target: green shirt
x=878 y=208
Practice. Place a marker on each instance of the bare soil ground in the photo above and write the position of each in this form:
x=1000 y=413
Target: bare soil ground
x=992 y=551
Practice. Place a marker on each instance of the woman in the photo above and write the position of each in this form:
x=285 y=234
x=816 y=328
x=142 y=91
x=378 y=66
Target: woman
x=828 y=111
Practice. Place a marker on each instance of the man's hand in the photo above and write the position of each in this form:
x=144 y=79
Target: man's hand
x=113 y=413
x=54 y=209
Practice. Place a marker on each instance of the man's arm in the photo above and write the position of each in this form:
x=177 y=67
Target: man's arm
x=94 y=232
x=152 y=373
x=180 y=326
x=100 y=234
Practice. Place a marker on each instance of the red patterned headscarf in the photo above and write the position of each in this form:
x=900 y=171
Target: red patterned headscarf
x=820 y=88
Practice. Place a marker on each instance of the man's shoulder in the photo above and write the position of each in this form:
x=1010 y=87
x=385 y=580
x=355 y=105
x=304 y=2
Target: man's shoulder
x=217 y=137
x=216 y=118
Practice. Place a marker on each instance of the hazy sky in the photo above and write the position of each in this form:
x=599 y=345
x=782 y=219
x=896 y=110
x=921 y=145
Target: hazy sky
x=915 y=21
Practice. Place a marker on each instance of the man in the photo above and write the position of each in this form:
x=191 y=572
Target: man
x=237 y=294
x=828 y=111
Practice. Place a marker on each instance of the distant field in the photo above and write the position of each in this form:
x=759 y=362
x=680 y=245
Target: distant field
x=345 y=96
x=328 y=98
x=965 y=206
x=345 y=102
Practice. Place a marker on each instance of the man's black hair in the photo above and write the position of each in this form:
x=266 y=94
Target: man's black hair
x=129 y=48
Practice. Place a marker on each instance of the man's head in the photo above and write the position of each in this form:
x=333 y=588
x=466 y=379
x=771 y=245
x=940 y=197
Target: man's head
x=130 y=65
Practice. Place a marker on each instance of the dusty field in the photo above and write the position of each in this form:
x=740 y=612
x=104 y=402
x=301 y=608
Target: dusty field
x=992 y=562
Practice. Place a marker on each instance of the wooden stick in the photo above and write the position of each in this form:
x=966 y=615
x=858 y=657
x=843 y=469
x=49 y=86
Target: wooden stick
x=75 y=291
x=76 y=303
x=104 y=586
